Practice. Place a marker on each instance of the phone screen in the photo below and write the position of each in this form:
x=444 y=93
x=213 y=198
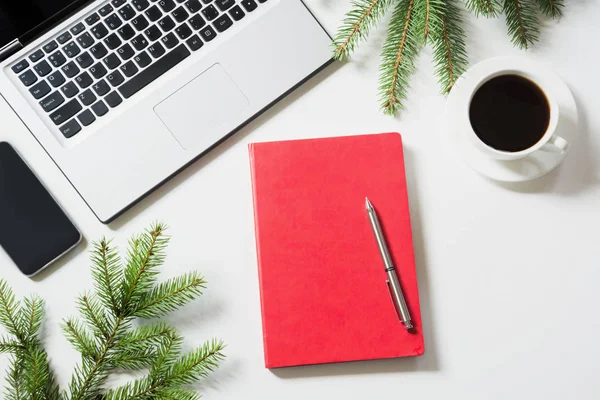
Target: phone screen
x=34 y=230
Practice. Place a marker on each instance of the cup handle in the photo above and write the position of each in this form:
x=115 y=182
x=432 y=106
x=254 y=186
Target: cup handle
x=556 y=144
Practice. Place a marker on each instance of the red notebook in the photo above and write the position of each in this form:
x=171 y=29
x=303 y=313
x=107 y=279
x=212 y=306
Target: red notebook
x=324 y=295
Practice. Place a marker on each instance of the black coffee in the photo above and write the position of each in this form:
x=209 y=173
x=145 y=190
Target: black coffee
x=509 y=113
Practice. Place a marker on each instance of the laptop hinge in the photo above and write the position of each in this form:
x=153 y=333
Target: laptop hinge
x=10 y=49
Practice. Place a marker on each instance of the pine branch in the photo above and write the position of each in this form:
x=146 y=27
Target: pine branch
x=146 y=253
x=552 y=8
x=31 y=316
x=487 y=8
x=522 y=22
x=450 y=54
x=399 y=53
x=150 y=335
x=9 y=309
x=196 y=364
x=170 y=295
x=167 y=355
x=14 y=379
x=106 y=273
x=93 y=314
x=357 y=24
x=80 y=339
x=428 y=17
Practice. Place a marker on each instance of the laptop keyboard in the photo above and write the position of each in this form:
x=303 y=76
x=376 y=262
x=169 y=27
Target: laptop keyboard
x=116 y=51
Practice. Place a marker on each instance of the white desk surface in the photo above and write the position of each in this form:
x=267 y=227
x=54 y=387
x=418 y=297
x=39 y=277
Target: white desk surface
x=508 y=275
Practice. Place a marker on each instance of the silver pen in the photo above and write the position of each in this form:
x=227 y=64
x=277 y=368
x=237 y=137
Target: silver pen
x=392 y=282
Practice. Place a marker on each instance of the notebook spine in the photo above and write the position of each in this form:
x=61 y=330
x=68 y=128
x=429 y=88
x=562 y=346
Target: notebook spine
x=251 y=149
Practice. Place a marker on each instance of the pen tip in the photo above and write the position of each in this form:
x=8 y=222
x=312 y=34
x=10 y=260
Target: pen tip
x=368 y=204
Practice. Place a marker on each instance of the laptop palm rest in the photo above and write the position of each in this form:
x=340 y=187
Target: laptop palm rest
x=199 y=112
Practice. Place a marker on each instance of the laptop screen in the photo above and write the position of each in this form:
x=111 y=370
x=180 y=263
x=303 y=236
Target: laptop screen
x=18 y=17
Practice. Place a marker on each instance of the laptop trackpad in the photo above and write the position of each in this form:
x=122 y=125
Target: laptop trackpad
x=204 y=110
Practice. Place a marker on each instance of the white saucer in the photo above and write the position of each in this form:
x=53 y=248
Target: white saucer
x=534 y=165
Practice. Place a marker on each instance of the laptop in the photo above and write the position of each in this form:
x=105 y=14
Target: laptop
x=127 y=93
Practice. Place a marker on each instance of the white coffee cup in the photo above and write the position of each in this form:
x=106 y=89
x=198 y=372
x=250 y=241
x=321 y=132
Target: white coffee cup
x=550 y=142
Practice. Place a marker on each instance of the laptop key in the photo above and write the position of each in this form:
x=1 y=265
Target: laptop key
x=118 y=3
x=139 y=42
x=140 y=23
x=104 y=11
x=98 y=71
x=223 y=23
x=210 y=12
x=140 y=5
x=170 y=41
x=249 y=5
x=85 y=40
x=87 y=97
x=183 y=31
x=92 y=19
x=180 y=14
x=127 y=12
x=66 y=112
x=195 y=43
x=84 y=80
x=154 y=71
x=57 y=59
x=156 y=50
x=125 y=51
x=197 y=22
x=63 y=38
x=20 y=66
x=101 y=87
x=77 y=29
x=98 y=51
x=42 y=68
x=112 y=61
x=100 y=108
x=126 y=32
x=115 y=78
x=51 y=102
x=113 y=21
x=36 y=56
x=166 y=5
x=99 y=30
x=70 y=129
x=143 y=59
x=28 y=78
x=153 y=13
x=237 y=13
x=153 y=33
x=208 y=34
x=224 y=5
x=129 y=69
x=193 y=5
x=50 y=47
x=70 y=70
x=56 y=79
x=86 y=118
x=113 y=99
x=71 y=49
x=112 y=41
x=69 y=90
x=40 y=90
x=85 y=60
x=166 y=24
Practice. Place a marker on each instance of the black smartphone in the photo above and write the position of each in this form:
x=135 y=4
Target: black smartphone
x=34 y=230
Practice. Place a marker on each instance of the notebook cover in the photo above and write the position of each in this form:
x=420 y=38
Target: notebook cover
x=324 y=295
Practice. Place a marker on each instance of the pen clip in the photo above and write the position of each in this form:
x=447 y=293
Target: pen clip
x=393 y=300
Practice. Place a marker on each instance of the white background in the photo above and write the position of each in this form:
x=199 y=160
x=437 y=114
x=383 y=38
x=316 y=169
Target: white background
x=508 y=274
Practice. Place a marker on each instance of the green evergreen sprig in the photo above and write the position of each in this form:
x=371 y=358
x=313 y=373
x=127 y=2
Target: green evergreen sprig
x=438 y=23
x=105 y=335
